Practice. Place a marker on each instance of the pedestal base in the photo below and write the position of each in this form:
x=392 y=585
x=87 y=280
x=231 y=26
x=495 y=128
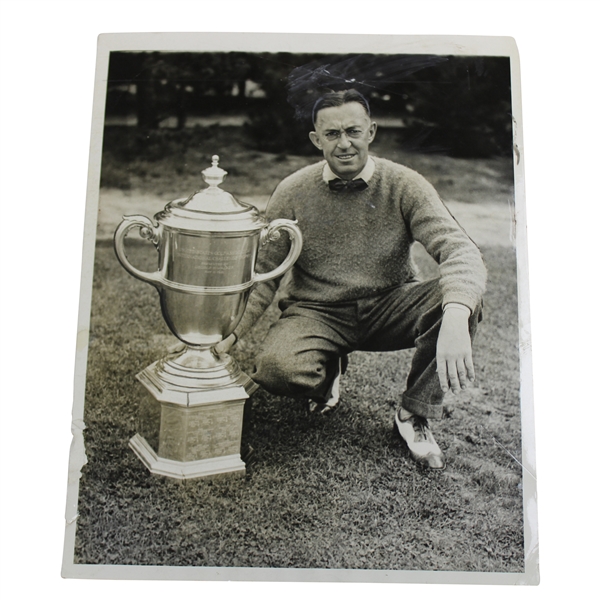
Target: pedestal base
x=189 y=426
x=231 y=465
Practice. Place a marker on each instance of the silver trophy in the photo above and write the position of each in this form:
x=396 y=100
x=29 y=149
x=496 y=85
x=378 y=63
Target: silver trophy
x=191 y=421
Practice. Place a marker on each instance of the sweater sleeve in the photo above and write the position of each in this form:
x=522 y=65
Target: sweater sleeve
x=270 y=256
x=462 y=271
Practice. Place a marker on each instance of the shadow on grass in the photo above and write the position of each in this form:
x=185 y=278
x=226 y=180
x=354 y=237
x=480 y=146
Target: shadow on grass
x=331 y=493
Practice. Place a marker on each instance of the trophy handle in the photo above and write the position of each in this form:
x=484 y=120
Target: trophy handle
x=149 y=231
x=271 y=232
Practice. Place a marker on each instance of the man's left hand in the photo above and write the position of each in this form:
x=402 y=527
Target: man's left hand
x=454 y=356
x=225 y=345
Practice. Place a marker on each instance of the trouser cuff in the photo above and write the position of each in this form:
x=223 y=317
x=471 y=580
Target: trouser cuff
x=422 y=409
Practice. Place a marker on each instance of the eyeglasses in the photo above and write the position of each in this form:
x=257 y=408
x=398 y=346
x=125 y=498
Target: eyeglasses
x=333 y=136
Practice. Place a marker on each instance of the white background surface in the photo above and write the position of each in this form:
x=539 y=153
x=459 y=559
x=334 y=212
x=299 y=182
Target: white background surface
x=48 y=49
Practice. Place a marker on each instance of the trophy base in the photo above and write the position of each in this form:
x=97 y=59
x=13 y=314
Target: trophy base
x=231 y=465
x=190 y=422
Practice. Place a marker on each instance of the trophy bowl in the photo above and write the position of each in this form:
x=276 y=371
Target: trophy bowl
x=207 y=245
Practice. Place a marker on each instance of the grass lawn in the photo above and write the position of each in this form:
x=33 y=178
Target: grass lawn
x=319 y=493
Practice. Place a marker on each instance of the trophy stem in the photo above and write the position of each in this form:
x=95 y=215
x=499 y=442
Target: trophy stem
x=194 y=375
x=199 y=358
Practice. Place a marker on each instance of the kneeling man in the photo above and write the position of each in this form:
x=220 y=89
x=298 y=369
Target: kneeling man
x=354 y=285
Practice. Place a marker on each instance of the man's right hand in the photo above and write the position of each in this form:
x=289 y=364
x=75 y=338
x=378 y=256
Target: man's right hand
x=225 y=345
x=454 y=356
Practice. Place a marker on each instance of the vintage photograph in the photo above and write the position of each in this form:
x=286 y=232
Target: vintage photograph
x=304 y=314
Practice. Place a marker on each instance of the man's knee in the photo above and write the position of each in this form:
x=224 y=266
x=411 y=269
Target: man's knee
x=288 y=374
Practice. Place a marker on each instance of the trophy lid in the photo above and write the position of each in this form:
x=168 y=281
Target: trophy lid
x=211 y=209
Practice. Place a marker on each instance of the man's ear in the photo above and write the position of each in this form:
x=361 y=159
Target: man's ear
x=372 y=131
x=314 y=138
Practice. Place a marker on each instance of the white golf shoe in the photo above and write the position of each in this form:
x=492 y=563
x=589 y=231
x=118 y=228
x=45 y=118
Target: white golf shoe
x=421 y=444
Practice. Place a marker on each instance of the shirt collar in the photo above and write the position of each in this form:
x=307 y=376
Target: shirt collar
x=365 y=174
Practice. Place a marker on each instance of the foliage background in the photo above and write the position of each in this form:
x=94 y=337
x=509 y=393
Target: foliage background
x=455 y=104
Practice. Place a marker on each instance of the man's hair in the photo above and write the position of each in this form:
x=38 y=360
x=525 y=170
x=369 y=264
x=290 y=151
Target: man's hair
x=338 y=99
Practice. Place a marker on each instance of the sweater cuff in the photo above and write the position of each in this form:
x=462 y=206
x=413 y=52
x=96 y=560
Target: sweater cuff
x=457 y=298
x=246 y=324
x=457 y=306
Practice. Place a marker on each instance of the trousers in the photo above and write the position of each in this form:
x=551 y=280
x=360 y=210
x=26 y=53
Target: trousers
x=300 y=355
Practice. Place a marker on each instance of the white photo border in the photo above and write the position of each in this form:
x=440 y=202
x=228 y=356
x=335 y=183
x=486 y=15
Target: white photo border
x=385 y=44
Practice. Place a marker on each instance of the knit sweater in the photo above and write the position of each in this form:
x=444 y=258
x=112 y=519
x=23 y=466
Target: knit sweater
x=357 y=243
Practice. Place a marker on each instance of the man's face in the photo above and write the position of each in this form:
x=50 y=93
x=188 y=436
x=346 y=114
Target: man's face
x=344 y=133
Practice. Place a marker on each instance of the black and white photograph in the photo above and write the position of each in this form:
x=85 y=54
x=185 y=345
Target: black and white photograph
x=304 y=315
x=106 y=125
x=305 y=351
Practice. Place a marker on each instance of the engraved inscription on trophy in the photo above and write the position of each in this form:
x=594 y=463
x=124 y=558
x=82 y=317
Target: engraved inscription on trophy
x=214 y=432
x=209 y=261
x=200 y=433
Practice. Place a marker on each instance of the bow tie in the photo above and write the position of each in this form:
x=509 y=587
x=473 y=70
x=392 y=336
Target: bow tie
x=339 y=185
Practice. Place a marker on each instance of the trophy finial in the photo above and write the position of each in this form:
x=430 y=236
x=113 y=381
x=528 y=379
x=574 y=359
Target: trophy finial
x=214 y=175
